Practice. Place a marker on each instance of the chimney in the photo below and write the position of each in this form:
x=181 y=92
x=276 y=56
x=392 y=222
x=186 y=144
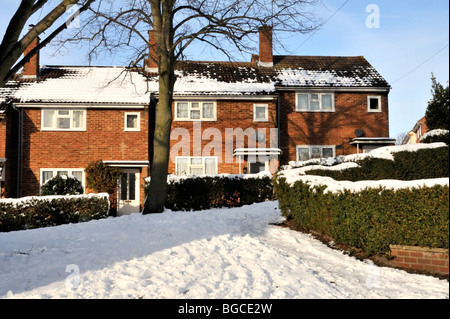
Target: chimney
x=265 y=47
x=31 y=68
x=152 y=64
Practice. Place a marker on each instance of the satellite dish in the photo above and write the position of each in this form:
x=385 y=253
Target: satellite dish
x=359 y=133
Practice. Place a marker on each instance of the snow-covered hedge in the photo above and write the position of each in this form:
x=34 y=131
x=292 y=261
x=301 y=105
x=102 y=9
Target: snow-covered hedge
x=372 y=214
x=44 y=211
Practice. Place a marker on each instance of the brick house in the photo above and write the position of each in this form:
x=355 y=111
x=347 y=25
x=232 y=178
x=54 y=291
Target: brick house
x=228 y=117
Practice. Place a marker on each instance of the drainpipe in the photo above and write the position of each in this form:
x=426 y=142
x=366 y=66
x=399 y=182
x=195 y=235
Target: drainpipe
x=19 y=149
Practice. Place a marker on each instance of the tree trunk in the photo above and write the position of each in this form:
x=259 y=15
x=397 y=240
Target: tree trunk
x=156 y=196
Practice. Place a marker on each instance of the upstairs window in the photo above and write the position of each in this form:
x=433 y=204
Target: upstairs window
x=195 y=111
x=314 y=102
x=132 y=121
x=260 y=112
x=63 y=120
x=374 y=104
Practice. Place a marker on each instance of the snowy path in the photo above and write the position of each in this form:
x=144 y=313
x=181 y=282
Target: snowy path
x=219 y=253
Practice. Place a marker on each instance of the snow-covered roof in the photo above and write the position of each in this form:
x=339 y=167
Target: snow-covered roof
x=120 y=85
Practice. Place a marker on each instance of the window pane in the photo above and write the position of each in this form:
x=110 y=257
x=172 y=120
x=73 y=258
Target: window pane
x=315 y=105
x=327 y=152
x=302 y=100
x=182 y=166
x=198 y=171
x=195 y=105
x=132 y=121
x=63 y=113
x=78 y=119
x=182 y=110
x=208 y=110
x=316 y=152
x=210 y=166
x=195 y=114
x=78 y=175
x=303 y=154
x=260 y=112
x=132 y=186
x=123 y=187
x=49 y=116
x=373 y=104
x=46 y=175
x=63 y=123
x=326 y=102
x=62 y=173
x=196 y=161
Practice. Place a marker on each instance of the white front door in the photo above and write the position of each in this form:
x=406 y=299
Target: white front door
x=128 y=192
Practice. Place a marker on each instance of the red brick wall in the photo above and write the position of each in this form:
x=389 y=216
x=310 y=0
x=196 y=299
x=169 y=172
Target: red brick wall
x=103 y=139
x=420 y=258
x=330 y=128
x=230 y=115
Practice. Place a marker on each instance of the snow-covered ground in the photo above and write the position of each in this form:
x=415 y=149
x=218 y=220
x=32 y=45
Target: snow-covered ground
x=217 y=253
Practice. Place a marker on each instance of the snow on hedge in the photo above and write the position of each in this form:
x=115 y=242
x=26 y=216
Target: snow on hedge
x=296 y=171
x=436 y=132
x=386 y=152
x=172 y=178
x=28 y=199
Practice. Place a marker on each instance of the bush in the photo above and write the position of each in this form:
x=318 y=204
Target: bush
x=36 y=212
x=371 y=219
x=62 y=185
x=421 y=164
x=197 y=193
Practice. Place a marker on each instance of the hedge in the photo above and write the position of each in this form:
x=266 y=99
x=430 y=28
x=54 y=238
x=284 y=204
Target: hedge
x=44 y=211
x=421 y=164
x=371 y=219
x=197 y=193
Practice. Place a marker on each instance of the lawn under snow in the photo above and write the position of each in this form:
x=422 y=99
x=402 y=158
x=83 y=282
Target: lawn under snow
x=217 y=253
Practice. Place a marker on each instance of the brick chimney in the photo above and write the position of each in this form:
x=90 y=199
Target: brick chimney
x=31 y=68
x=265 y=47
x=152 y=64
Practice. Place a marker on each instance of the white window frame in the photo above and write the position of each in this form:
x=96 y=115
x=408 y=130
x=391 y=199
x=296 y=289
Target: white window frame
x=196 y=165
x=266 y=113
x=378 y=97
x=56 y=170
x=320 y=94
x=310 y=147
x=70 y=116
x=190 y=108
x=132 y=129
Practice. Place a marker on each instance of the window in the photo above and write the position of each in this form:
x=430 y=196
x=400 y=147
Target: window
x=132 y=121
x=196 y=166
x=374 y=104
x=195 y=111
x=49 y=173
x=63 y=120
x=260 y=112
x=306 y=152
x=314 y=102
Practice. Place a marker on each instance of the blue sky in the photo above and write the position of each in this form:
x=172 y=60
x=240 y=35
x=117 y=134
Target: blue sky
x=411 y=42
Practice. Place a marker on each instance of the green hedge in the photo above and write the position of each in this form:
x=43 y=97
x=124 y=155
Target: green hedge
x=421 y=164
x=371 y=219
x=199 y=193
x=36 y=212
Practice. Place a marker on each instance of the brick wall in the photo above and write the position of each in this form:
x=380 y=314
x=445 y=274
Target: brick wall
x=330 y=128
x=104 y=139
x=231 y=115
x=432 y=260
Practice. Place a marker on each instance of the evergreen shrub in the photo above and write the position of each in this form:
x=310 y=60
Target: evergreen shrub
x=36 y=212
x=62 y=185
